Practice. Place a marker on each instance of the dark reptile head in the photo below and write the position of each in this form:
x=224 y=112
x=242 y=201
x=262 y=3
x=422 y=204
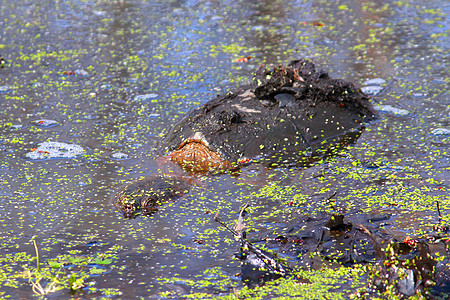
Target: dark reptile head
x=145 y=195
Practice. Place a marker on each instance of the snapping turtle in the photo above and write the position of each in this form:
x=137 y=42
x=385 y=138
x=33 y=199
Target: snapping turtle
x=287 y=113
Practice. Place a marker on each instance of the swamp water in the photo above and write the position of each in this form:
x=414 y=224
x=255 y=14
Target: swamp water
x=90 y=87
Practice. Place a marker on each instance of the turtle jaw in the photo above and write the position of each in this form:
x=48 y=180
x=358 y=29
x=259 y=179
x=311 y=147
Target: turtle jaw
x=129 y=211
x=194 y=155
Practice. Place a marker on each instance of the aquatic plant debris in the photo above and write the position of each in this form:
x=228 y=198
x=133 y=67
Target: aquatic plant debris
x=375 y=81
x=372 y=90
x=49 y=150
x=391 y=109
x=119 y=155
x=45 y=122
x=440 y=131
x=257 y=266
x=145 y=97
x=5 y=89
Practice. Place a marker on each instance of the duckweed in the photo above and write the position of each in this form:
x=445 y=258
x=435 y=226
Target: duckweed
x=91 y=67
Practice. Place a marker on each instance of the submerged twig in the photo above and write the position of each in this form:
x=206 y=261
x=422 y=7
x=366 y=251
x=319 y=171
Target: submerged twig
x=331 y=196
x=269 y=262
x=327 y=200
x=353 y=250
x=322 y=234
x=377 y=244
x=240 y=224
x=438 y=209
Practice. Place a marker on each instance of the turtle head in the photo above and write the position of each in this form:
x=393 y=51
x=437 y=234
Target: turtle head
x=144 y=196
x=132 y=204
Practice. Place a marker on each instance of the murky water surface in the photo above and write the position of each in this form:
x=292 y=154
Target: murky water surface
x=90 y=87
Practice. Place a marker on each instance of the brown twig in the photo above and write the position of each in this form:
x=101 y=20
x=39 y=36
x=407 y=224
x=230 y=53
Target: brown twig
x=250 y=246
x=439 y=211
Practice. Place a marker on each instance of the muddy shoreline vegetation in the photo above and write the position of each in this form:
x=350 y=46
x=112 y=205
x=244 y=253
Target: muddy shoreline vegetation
x=394 y=268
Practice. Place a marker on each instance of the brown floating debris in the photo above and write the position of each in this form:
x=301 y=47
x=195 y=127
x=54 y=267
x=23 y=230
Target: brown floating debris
x=257 y=266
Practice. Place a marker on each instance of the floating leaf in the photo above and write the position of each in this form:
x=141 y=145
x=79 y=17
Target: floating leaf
x=100 y=261
x=55 y=264
x=77 y=259
x=96 y=271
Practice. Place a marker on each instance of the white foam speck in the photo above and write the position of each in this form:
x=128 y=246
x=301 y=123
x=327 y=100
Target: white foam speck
x=45 y=122
x=119 y=155
x=49 y=150
x=392 y=110
x=372 y=90
x=145 y=97
x=440 y=131
x=375 y=81
x=4 y=89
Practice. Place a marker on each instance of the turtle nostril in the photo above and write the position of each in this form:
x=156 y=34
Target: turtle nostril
x=128 y=208
x=128 y=211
